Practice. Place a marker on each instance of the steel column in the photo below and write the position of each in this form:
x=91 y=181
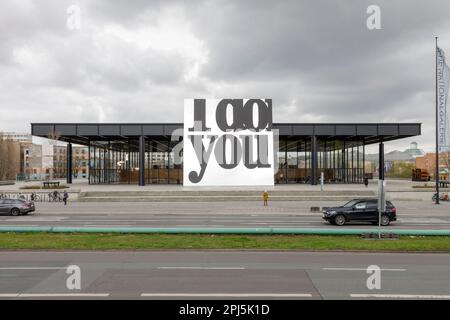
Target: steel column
x=142 y=161
x=344 y=163
x=168 y=160
x=89 y=162
x=381 y=161
x=69 y=163
x=314 y=160
x=285 y=162
x=364 y=159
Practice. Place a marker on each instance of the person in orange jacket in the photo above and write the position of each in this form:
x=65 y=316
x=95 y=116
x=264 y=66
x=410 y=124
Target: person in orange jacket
x=265 y=198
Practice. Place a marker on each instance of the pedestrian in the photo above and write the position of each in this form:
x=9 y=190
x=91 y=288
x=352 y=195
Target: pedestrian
x=56 y=196
x=265 y=197
x=366 y=182
x=65 y=197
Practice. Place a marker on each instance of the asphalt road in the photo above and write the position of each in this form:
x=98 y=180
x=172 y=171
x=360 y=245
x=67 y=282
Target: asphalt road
x=244 y=214
x=222 y=275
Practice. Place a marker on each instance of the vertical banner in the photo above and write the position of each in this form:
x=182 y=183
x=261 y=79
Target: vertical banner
x=228 y=142
x=442 y=95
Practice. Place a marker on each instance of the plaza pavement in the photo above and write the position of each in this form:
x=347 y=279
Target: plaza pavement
x=395 y=190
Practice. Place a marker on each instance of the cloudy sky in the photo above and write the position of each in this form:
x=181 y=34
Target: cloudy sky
x=135 y=61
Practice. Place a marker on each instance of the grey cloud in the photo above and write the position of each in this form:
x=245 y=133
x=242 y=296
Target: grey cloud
x=315 y=59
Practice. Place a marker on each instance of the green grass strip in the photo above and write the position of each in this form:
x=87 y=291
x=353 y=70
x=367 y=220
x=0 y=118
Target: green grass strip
x=105 y=241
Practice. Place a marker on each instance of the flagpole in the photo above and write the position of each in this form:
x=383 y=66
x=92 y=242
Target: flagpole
x=437 y=128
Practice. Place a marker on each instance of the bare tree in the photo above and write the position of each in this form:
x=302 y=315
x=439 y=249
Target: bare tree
x=77 y=166
x=9 y=158
x=53 y=137
x=3 y=156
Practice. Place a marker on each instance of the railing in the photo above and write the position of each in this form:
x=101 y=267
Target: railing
x=35 y=197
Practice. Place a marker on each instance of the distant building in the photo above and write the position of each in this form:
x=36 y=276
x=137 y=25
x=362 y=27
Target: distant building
x=161 y=159
x=12 y=153
x=414 y=151
x=17 y=137
x=395 y=158
x=428 y=162
x=32 y=162
x=407 y=155
x=80 y=162
x=46 y=161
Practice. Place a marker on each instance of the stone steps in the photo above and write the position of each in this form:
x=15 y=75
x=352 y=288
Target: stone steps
x=242 y=195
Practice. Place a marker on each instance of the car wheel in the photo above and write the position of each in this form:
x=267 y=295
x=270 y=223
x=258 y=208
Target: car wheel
x=339 y=220
x=385 y=220
x=15 y=212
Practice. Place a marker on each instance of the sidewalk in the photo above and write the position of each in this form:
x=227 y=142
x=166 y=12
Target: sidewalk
x=81 y=190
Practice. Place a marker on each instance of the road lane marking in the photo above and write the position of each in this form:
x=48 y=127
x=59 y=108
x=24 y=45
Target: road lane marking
x=37 y=219
x=200 y=225
x=238 y=295
x=51 y=295
x=109 y=225
x=254 y=222
x=400 y=296
x=358 y=269
x=32 y=268
x=25 y=225
x=205 y=268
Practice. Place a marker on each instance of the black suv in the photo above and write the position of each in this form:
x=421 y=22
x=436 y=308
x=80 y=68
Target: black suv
x=360 y=210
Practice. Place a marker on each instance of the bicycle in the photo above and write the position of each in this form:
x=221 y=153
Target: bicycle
x=35 y=197
x=54 y=197
x=442 y=197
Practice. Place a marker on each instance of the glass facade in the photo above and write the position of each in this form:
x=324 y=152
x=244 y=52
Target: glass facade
x=340 y=161
x=117 y=162
x=142 y=153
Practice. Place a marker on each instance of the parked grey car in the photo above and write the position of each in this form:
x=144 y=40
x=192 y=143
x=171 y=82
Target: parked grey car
x=16 y=207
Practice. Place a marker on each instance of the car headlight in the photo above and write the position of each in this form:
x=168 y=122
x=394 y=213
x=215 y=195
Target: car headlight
x=331 y=212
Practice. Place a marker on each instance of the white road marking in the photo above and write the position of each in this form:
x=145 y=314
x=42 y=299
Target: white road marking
x=109 y=225
x=41 y=219
x=400 y=296
x=255 y=223
x=248 y=220
x=32 y=268
x=358 y=269
x=205 y=268
x=114 y=220
x=51 y=295
x=199 y=225
x=240 y=295
x=24 y=225
x=293 y=223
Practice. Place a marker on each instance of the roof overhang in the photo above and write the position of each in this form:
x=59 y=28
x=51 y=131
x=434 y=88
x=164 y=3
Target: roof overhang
x=82 y=133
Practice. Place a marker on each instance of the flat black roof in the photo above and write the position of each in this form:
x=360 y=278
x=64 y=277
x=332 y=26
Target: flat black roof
x=82 y=133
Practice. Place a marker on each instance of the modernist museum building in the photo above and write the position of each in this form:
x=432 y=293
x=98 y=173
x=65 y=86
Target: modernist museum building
x=143 y=153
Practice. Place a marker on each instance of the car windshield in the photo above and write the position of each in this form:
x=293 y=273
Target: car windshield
x=350 y=203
